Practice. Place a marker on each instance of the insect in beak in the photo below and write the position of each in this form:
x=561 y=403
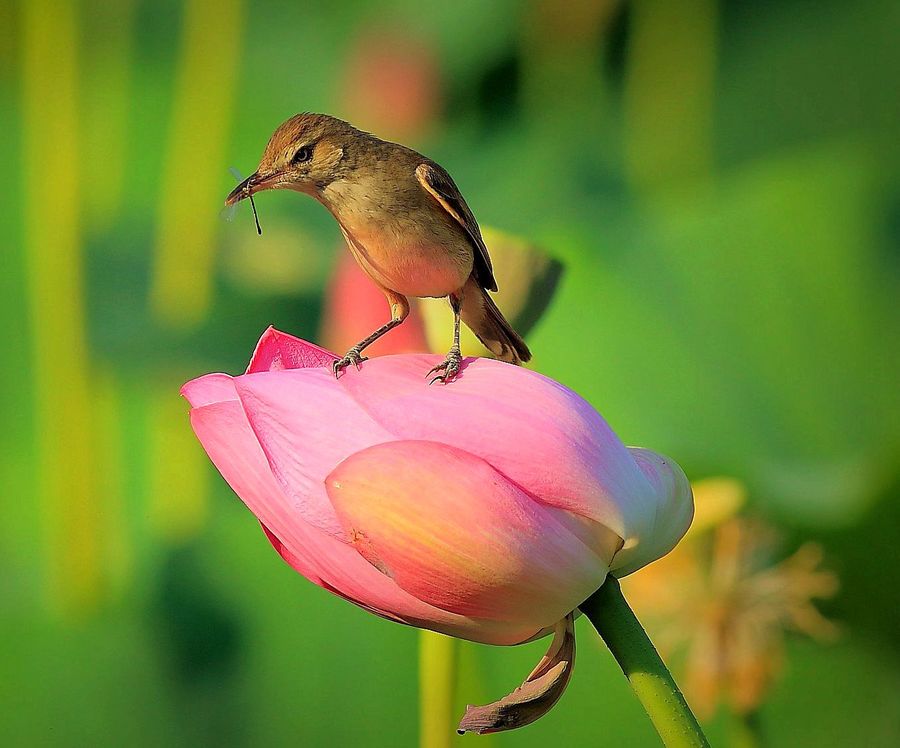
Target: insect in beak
x=244 y=190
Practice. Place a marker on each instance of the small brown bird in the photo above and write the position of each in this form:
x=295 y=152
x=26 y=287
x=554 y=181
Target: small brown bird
x=405 y=222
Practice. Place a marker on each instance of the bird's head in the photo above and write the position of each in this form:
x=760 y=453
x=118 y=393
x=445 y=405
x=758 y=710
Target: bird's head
x=305 y=153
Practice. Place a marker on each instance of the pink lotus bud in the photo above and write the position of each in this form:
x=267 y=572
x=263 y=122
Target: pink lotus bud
x=488 y=509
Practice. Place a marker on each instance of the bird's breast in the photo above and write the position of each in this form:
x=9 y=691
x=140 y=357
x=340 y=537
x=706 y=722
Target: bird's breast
x=411 y=265
x=400 y=235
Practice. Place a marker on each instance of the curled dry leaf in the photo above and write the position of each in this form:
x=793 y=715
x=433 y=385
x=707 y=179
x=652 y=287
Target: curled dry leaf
x=535 y=697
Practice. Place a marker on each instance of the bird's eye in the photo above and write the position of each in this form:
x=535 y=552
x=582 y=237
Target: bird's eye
x=303 y=155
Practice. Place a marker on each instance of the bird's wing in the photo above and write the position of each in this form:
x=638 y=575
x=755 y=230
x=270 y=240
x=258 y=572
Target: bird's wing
x=440 y=186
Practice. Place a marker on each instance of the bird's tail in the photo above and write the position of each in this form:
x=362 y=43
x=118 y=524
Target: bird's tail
x=483 y=317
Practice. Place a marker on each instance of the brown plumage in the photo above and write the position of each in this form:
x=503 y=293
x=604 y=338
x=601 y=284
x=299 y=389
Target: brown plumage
x=405 y=221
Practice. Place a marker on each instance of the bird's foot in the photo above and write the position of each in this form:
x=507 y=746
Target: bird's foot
x=449 y=366
x=353 y=357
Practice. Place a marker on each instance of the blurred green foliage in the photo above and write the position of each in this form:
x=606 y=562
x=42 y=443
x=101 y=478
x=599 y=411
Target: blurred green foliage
x=722 y=182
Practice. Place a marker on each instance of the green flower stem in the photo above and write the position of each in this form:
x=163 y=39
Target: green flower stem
x=438 y=664
x=651 y=680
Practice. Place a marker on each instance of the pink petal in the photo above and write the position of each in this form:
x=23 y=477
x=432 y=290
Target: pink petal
x=227 y=438
x=306 y=424
x=212 y=388
x=298 y=563
x=276 y=351
x=453 y=532
x=533 y=430
x=226 y=435
x=674 y=510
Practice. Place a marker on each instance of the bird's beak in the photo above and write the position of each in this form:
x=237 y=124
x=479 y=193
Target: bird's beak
x=244 y=189
x=251 y=185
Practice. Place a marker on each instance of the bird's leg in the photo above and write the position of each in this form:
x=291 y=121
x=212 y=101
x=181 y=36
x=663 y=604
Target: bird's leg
x=399 y=312
x=450 y=365
x=354 y=355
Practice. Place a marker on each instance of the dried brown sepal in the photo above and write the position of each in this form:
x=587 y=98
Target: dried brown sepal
x=536 y=696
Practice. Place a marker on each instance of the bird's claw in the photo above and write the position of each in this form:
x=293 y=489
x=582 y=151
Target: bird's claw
x=449 y=366
x=353 y=357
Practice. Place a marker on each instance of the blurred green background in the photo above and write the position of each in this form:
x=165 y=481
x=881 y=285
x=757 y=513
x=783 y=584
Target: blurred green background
x=722 y=182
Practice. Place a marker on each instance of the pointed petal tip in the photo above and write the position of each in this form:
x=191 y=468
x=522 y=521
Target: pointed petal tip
x=278 y=350
x=208 y=389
